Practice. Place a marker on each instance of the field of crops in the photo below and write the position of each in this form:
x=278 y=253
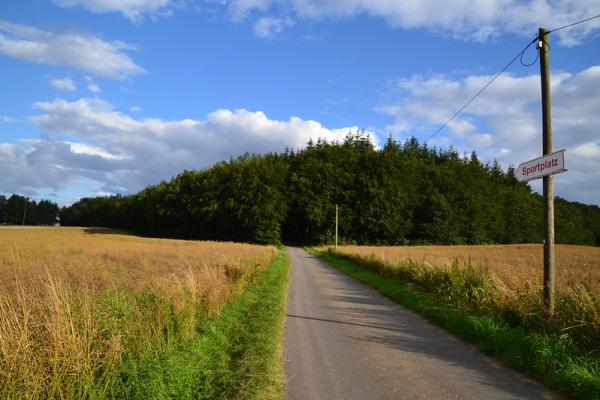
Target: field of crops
x=516 y=265
x=77 y=305
x=504 y=281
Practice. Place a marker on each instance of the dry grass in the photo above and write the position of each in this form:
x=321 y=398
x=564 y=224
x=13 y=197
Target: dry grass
x=516 y=265
x=76 y=303
x=504 y=281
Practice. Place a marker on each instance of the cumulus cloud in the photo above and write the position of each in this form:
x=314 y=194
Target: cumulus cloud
x=465 y=19
x=91 y=140
x=268 y=27
x=64 y=84
x=81 y=51
x=505 y=122
x=31 y=166
x=134 y=10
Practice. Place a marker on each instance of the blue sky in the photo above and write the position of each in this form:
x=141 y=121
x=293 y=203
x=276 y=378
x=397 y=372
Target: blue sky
x=102 y=97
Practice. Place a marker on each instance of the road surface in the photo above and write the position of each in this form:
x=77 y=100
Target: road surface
x=345 y=341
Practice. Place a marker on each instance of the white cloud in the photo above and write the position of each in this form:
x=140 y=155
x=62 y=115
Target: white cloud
x=84 y=52
x=30 y=167
x=6 y=119
x=267 y=27
x=134 y=10
x=64 y=84
x=465 y=19
x=91 y=140
x=504 y=122
x=81 y=148
x=92 y=86
x=240 y=9
x=135 y=109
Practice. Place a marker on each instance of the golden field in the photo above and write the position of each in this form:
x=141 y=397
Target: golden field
x=74 y=302
x=515 y=264
x=502 y=281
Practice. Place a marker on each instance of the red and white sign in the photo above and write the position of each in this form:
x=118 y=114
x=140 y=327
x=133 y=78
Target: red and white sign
x=547 y=165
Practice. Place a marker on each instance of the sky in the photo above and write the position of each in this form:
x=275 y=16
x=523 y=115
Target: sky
x=100 y=97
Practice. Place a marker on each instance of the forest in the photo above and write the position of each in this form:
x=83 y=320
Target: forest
x=402 y=193
x=19 y=210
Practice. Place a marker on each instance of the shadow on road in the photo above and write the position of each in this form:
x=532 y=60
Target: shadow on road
x=335 y=322
x=382 y=322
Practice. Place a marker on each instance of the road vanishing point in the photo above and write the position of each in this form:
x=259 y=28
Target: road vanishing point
x=345 y=341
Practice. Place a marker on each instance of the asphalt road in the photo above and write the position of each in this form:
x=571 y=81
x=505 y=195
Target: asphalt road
x=345 y=341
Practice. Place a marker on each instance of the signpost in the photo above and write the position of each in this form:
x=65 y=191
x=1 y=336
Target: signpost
x=545 y=167
x=542 y=166
x=548 y=185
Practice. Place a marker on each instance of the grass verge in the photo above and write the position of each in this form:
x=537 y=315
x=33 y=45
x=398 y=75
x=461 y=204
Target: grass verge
x=547 y=357
x=237 y=356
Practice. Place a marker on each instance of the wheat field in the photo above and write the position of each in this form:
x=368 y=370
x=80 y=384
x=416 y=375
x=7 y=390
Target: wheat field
x=515 y=264
x=504 y=281
x=75 y=303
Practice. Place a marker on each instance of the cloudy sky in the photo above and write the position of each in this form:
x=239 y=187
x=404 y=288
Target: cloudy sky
x=105 y=96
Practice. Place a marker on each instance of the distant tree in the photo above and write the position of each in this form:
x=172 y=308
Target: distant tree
x=2 y=209
x=15 y=209
x=47 y=212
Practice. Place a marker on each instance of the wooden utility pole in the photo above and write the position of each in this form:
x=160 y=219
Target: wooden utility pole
x=25 y=211
x=548 y=184
x=336 y=225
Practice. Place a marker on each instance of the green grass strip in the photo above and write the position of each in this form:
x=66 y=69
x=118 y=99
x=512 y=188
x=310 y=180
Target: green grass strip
x=238 y=355
x=548 y=358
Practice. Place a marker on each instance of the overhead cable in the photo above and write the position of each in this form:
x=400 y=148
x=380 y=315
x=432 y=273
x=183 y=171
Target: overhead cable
x=574 y=23
x=518 y=56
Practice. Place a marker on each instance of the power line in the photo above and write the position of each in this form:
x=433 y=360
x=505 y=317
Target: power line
x=537 y=56
x=482 y=89
x=518 y=56
x=574 y=23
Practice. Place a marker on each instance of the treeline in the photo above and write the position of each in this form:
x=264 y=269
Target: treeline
x=404 y=193
x=18 y=210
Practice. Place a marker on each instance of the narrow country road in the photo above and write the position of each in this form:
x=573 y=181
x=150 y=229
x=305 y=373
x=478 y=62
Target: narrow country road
x=345 y=341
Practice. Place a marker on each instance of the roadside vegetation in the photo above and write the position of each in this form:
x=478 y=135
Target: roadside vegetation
x=93 y=313
x=481 y=297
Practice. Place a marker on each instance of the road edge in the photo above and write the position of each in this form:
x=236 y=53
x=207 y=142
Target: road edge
x=545 y=358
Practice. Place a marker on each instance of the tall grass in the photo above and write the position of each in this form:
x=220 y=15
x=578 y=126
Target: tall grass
x=80 y=313
x=515 y=265
x=485 y=281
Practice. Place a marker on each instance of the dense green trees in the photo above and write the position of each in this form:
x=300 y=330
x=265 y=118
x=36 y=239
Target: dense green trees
x=402 y=193
x=17 y=210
